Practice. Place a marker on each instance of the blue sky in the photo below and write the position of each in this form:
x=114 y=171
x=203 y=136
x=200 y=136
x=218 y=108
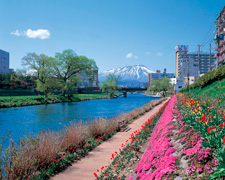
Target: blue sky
x=114 y=33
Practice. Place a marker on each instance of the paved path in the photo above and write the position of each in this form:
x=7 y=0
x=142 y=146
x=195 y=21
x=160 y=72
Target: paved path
x=100 y=156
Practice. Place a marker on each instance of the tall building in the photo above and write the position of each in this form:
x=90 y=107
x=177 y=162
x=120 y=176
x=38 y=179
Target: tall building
x=219 y=39
x=193 y=64
x=4 y=61
x=159 y=75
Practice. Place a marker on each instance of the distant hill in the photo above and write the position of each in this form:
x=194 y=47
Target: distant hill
x=130 y=76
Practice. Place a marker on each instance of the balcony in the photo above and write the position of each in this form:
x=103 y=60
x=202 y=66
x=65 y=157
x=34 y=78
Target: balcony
x=222 y=58
x=222 y=50
x=222 y=27
x=221 y=43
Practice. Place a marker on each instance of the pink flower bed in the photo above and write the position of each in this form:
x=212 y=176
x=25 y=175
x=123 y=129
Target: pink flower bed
x=158 y=153
x=195 y=151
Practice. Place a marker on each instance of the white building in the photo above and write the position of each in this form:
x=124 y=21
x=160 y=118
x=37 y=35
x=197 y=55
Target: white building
x=173 y=81
x=159 y=75
x=191 y=63
x=179 y=85
x=4 y=61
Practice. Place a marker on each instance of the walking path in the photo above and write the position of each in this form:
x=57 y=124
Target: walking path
x=100 y=156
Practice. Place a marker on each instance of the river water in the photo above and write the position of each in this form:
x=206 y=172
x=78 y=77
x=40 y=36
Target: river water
x=34 y=119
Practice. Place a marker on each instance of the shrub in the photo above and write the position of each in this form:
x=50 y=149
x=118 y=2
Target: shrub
x=207 y=79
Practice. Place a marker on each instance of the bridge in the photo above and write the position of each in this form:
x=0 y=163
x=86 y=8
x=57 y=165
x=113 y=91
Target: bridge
x=124 y=90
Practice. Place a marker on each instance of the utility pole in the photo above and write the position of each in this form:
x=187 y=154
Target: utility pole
x=199 y=60
x=188 y=73
x=210 y=58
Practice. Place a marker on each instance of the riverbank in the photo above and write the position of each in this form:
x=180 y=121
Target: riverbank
x=17 y=101
x=48 y=152
x=101 y=156
x=125 y=158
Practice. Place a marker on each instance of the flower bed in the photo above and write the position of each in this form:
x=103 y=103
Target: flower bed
x=129 y=151
x=198 y=162
x=208 y=121
x=157 y=160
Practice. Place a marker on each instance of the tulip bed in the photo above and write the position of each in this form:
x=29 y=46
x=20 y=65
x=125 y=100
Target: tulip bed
x=129 y=152
x=206 y=118
x=188 y=143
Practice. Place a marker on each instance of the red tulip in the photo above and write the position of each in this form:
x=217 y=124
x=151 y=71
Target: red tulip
x=209 y=130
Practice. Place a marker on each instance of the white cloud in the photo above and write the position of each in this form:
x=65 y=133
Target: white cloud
x=16 y=33
x=148 y=53
x=129 y=55
x=39 y=33
x=159 y=54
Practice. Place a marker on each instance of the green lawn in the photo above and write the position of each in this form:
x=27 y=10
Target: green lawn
x=215 y=90
x=14 y=101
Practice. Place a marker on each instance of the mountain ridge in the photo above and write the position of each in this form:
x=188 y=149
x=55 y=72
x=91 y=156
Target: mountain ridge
x=132 y=76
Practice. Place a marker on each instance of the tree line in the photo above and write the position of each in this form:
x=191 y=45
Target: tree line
x=62 y=72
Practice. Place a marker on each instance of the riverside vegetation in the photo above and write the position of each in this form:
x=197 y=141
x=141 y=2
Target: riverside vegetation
x=15 y=101
x=49 y=152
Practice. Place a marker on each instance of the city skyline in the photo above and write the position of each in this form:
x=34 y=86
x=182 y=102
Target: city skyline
x=114 y=34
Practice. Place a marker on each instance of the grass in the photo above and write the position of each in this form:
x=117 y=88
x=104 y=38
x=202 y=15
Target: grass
x=16 y=101
x=214 y=90
x=45 y=154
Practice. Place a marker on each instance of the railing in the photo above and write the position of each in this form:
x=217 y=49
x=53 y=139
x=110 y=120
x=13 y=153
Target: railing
x=222 y=58
x=222 y=50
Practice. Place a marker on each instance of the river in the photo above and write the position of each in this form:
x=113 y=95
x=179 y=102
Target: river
x=37 y=118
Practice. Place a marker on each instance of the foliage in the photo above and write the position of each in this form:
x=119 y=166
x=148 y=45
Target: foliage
x=42 y=64
x=207 y=79
x=17 y=80
x=110 y=84
x=68 y=66
x=4 y=79
x=15 y=101
x=160 y=85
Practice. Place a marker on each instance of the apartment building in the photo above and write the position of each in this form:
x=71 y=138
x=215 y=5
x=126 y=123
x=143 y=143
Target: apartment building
x=192 y=64
x=4 y=61
x=219 y=39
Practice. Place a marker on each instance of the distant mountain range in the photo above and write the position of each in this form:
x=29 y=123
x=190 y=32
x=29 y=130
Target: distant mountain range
x=130 y=76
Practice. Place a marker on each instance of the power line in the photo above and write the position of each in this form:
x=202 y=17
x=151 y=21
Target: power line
x=207 y=35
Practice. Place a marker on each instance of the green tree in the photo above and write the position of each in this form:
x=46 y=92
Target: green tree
x=160 y=85
x=110 y=84
x=5 y=79
x=68 y=64
x=42 y=64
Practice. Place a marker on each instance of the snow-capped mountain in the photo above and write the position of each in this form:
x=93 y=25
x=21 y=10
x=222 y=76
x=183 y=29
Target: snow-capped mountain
x=132 y=76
